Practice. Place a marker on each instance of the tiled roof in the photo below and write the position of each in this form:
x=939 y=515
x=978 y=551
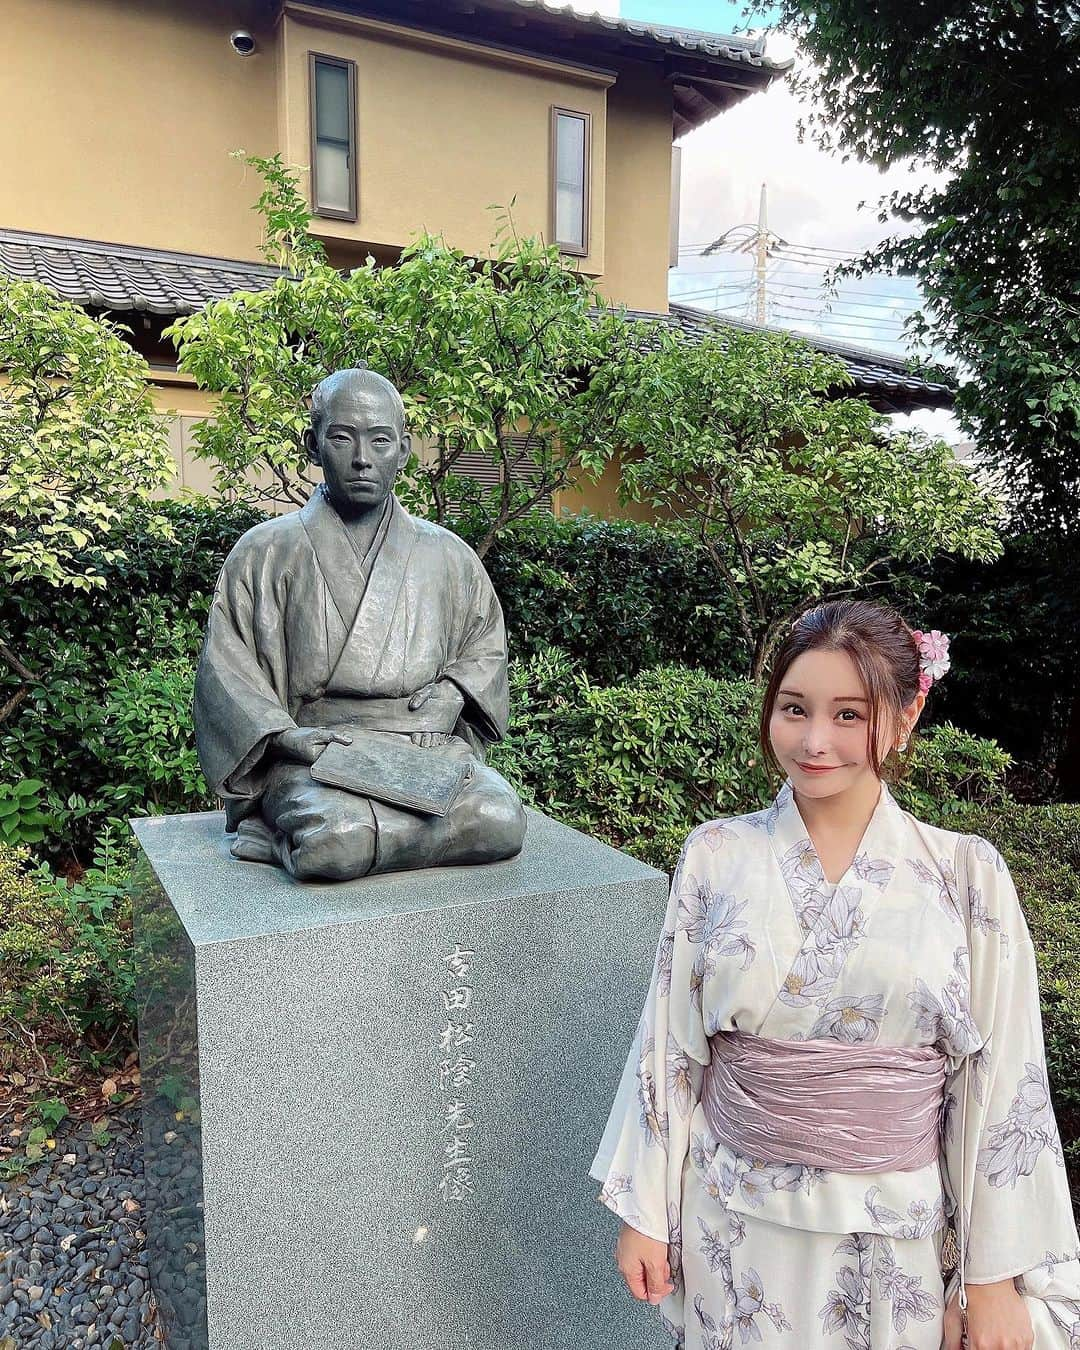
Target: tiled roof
x=878 y=374
x=123 y=278
x=120 y=277
x=750 y=51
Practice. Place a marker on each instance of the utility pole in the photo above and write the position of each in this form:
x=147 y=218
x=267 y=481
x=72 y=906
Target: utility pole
x=761 y=258
x=758 y=241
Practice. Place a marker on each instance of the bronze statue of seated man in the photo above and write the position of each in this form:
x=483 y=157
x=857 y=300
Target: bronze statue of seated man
x=347 y=617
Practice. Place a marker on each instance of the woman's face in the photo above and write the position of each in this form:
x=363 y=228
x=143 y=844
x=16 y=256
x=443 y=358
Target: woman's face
x=820 y=725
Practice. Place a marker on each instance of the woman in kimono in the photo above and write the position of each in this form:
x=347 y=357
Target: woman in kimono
x=840 y=1060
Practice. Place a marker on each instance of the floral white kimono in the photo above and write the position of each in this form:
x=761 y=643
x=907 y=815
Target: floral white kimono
x=755 y=939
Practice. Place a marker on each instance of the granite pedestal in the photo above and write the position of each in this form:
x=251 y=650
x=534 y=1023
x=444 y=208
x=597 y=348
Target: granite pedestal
x=370 y=1107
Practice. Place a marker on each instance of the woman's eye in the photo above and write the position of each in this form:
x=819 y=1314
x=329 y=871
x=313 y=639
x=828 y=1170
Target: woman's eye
x=791 y=708
x=849 y=714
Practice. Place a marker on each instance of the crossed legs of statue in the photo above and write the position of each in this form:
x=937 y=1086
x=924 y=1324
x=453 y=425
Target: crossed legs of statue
x=322 y=833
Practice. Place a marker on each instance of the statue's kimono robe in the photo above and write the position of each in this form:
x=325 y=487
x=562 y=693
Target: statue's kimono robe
x=303 y=631
x=756 y=940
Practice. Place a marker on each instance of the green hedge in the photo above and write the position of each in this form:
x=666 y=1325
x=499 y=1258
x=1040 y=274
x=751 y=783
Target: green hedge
x=640 y=762
x=617 y=596
x=1016 y=655
x=112 y=665
x=1041 y=845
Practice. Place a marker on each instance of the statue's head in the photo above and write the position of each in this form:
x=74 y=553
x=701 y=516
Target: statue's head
x=358 y=438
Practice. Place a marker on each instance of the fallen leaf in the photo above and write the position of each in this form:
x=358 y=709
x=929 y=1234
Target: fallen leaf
x=108 y=1088
x=69 y=1158
x=65 y=1244
x=131 y=1206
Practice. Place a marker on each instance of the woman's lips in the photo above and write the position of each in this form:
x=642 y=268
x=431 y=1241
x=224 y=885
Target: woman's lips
x=817 y=768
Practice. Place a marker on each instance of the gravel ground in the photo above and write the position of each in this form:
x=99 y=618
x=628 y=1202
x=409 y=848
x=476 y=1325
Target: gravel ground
x=71 y=1246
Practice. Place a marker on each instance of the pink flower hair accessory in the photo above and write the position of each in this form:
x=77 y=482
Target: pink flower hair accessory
x=933 y=656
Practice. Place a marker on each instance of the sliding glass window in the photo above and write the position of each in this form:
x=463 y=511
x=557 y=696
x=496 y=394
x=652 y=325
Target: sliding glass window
x=333 y=136
x=571 y=133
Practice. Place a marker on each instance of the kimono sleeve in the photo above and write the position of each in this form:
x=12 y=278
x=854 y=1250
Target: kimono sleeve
x=237 y=708
x=645 y=1144
x=478 y=666
x=1001 y=1139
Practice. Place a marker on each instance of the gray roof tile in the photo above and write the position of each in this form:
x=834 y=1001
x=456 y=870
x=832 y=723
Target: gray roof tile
x=728 y=47
x=121 y=277
x=876 y=373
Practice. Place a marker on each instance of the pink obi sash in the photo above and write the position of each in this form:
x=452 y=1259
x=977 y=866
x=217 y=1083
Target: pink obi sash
x=845 y=1108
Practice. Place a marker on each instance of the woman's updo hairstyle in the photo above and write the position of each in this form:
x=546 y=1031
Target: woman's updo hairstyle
x=882 y=648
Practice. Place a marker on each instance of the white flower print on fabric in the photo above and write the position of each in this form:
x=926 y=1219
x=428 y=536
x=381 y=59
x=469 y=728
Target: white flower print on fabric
x=675 y=1243
x=982 y=919
x=945 y=1018
x=1065 y=1312
x=806 y=882
x=986 y=852
x=942 y=880
x=694 y=899
x=847 y=1307
x=753 y=1178
x=715 y=1250
x=907 y=1297
x=654 y=1121
x=838 y=930
x=853 y=1021
x=664 y=963
x=922 y=1218
x=877 y=871
x=749 y=1302
x=713 y=1337
x=679 y=1082
x=712 y=920
x=714 y=834
x=1016 y=1143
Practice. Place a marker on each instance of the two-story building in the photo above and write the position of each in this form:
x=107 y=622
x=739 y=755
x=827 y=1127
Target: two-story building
x=121 y=191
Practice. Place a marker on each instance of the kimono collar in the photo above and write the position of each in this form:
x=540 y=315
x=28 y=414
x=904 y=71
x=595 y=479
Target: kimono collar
x=347 y=574
x=876 y=855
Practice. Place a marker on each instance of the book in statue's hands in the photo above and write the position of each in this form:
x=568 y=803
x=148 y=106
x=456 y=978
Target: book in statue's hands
x=391 y=769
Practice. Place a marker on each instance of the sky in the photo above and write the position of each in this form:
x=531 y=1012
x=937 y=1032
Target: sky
x=823 y=208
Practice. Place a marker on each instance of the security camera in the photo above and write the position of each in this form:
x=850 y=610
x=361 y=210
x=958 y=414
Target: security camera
x=242 y=43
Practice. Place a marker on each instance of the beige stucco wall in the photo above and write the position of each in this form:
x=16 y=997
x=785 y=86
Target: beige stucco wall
x=445 y=131
x=119 y=118
x=638 y=190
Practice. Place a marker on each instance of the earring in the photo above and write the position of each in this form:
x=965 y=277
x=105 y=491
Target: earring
x=902 y=746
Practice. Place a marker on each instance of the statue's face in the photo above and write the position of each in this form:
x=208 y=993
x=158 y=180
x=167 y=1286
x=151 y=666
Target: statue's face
x=359 y=448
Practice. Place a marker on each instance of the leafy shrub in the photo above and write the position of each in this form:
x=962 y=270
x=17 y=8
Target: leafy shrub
x=21 y=819
x=1016 y=657
x=617 y=596
x=640 y=763
x=97 y=656
x=146 y=732
x=1041 y=845
x=66 y=970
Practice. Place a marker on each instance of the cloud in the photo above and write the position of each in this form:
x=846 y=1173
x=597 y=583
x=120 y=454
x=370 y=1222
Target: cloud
x=821 y=206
